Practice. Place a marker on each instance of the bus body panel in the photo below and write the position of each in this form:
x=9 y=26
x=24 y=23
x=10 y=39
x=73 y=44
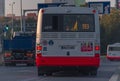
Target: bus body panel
x=67 y=48
x=69 y=61
x=113 y=51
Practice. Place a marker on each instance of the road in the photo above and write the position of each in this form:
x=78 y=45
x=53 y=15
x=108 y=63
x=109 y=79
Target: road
x=24 y=73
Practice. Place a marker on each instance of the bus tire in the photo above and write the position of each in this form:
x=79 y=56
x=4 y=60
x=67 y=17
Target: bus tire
x=6 y=64
x=93 y=73
x=48 y=73
x=30 y=64
x=40 y=73
x=13 y=64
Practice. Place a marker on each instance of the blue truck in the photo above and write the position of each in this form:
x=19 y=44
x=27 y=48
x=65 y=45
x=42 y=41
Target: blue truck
x=19 y=49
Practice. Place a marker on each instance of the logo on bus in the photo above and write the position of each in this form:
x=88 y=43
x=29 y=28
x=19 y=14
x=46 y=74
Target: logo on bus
x=51 y=42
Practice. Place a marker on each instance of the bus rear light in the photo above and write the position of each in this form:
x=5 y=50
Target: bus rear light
x=30 y=55
x=39 y=48
x=94 y=11
x=42 y=11
x=97 y=55
x=38 y=55
x=97 y=48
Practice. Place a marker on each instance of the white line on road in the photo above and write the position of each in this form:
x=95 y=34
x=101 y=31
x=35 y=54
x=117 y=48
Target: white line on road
x=115 y=76
x=34 y=79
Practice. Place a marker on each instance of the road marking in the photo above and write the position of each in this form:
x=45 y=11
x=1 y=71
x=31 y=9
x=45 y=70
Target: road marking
x=115 y=76
x=34 y=79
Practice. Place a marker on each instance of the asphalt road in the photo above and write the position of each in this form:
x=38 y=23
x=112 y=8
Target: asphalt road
x=24 y=73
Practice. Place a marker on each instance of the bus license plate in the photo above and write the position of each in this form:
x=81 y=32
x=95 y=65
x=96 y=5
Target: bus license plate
x=68 y=47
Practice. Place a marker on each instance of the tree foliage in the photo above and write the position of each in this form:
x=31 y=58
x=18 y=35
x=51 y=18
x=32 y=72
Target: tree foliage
x=110 y=28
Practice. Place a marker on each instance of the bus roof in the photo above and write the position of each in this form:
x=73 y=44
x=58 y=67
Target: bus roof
x=60 y=10
x=115 y=44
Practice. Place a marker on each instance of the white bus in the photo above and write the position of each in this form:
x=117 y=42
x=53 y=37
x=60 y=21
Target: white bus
x=113 y=51
x=67 y=38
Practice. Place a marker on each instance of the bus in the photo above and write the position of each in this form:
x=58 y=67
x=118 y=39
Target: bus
x=67 y=38
x=113 y=51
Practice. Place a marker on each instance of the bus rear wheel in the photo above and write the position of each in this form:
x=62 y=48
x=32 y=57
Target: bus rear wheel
x=42 y=72
x=93 y=73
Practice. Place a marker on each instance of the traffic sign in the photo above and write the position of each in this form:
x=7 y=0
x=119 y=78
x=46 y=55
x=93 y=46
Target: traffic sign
x=44 y=5
x=102 y=7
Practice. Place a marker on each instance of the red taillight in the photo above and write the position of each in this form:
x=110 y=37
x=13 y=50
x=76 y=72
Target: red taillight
x=39 y=47
x=42 y=11
x=39 y=55
x=97 y=48
x=38 y=59
x=29 y=55
x=97 y=55
x=7 y=54
x=94 y=11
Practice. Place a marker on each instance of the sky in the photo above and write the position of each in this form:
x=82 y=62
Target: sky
x=26 y=4
x=30 y=4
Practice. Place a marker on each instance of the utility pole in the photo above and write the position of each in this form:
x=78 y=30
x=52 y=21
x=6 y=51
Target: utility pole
x=12 y=17
x=12 y=28
x=21 y=16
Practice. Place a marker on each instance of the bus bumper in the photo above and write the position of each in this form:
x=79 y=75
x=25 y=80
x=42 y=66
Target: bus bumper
x=113 y=58
x=68 y=61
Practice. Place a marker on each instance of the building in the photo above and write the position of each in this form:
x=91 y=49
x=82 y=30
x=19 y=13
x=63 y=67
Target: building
x=70 y=2
x=2 y=7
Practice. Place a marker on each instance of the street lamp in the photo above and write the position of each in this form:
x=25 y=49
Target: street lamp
x=21 y=16
x=12 y=15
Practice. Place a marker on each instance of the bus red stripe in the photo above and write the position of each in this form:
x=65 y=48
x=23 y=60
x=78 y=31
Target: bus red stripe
x=68 y=61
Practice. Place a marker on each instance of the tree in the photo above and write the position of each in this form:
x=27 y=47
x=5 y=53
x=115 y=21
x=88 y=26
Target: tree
x=110 y=28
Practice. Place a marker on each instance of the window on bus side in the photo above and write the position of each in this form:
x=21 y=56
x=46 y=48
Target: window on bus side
x=114 y=48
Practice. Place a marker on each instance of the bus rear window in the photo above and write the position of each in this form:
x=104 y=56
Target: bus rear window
x=68 y=23
x=114 y=48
